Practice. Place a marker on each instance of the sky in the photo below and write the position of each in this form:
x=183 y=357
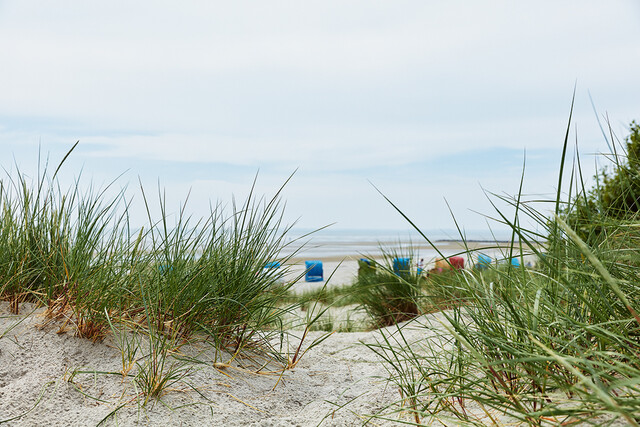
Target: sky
x=433 y=103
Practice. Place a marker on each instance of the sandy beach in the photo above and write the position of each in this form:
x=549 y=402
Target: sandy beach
x=320 y=214
x=47 y=378
x=342 y=270
x=50 y=377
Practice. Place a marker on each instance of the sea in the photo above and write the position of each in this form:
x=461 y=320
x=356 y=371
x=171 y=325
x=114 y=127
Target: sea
x=330 y=242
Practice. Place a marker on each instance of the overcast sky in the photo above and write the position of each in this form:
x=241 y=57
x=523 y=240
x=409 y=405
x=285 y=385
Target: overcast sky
x=428 y=100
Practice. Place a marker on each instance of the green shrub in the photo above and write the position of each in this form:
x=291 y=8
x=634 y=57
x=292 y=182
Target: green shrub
x=388 y=297
x=615 y=196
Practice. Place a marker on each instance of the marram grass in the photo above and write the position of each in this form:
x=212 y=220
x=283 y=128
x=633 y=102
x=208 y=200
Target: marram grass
x=558 y=344
x=175 y=278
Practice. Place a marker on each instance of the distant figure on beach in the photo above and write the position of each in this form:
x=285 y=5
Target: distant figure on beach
x=420 y=266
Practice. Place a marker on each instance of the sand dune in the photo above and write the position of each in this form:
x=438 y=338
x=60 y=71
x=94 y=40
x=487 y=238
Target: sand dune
x=47 y=378
x=57 y=379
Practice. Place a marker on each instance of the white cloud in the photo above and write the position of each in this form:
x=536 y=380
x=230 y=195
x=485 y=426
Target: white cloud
x=330 y=87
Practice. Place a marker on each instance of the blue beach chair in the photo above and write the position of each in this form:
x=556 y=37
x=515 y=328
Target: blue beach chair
x=273 y=264
x=401 y=266
x=484 y=261
x=314 y=271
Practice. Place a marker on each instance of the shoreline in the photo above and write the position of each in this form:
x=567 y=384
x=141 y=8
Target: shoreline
x=343 y=269
x=389 y=247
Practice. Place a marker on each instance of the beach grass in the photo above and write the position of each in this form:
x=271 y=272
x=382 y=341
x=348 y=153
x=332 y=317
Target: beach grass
x=391 y=292
x=554 y=345
x=558 y=344
x=335 y=296
x=76 y=252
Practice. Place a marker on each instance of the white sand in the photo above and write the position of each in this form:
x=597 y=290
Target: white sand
x=36 y=365
x=337 y=383
x=336 y=273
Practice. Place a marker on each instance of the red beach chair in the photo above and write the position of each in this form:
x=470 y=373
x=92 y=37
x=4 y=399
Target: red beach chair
x=457 y=262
